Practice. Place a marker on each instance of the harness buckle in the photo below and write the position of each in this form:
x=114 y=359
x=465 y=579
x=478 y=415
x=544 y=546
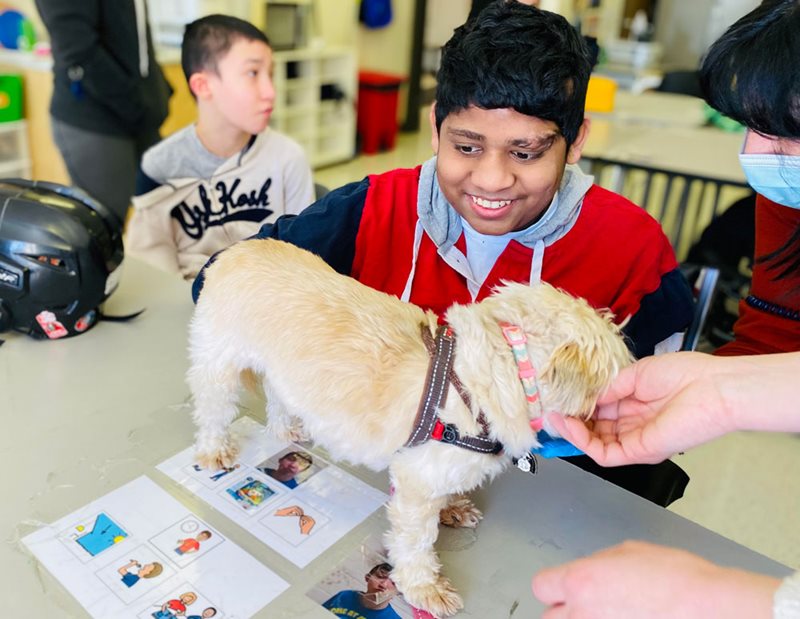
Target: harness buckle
x=450 y=434
x=444 y=432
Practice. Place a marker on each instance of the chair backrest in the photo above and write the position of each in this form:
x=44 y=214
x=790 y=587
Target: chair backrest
x=320 y=190
x=683 y=82
x=684 y=204
x=705 y=285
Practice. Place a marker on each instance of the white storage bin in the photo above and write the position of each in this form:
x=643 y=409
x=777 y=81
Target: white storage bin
x=637 y=54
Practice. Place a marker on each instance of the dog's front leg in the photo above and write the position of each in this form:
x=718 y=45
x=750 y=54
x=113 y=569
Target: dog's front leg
x=280 y=422
x=460 y=513
x=215 y=395
x=414 y=516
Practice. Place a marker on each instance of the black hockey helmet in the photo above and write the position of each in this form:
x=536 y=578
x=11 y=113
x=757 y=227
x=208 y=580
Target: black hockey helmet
x=60 y=258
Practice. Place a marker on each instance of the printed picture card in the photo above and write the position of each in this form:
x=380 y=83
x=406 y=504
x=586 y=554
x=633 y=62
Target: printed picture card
x=138 y=553
x=288 y=497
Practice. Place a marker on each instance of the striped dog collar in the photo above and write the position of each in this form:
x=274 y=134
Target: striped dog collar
x=516 y=339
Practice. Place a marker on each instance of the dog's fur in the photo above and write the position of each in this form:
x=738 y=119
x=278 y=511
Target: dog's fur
x=345 y=365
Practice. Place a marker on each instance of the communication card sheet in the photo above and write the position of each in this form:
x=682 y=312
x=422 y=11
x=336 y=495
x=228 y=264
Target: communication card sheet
x=285 y=495
x=138 y=553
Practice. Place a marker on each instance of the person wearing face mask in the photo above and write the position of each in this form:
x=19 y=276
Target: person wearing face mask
x=662 y=405
x=751 y=75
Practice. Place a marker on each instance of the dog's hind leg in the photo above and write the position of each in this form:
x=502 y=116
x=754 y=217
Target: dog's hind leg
x=214 y=385
x=280 y=422
x=414 y=518
x=460 y=512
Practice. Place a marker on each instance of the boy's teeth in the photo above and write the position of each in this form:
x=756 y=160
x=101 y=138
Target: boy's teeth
x=493 y=204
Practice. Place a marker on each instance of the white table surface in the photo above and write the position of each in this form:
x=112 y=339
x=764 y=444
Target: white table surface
x=85 y=415
x=665 y=131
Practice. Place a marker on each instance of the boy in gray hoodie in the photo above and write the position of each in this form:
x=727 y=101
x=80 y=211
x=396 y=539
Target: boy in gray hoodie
x=217 y=181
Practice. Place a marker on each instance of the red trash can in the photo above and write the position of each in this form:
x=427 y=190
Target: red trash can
x=377 y=110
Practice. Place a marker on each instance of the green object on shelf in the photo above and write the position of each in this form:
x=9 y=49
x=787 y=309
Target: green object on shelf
x=720 y=121
x=27 y=35
x=10 y=97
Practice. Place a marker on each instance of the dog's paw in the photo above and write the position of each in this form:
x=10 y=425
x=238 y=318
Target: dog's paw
x=217 y=459
x=438 y=598
x=461 y=513
x=291 y=433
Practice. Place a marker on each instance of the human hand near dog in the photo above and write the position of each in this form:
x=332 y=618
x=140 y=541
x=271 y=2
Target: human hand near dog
x=662 y=405
x=638 y=579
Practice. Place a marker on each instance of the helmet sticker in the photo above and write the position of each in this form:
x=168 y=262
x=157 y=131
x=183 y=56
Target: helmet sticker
x=9 y=278
x=51 y=327
x=85 y=321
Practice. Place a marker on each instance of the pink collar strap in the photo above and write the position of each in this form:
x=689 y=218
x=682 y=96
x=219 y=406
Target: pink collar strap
x=517 y=340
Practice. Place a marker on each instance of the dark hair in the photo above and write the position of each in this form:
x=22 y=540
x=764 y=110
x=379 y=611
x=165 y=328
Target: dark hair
x=299 y=454
x=752 y=74
x=209 y=38
x=386 y=567
x=516 y=56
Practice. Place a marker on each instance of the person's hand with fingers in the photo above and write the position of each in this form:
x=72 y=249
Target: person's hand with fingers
x=638 y=579
x=654 y=408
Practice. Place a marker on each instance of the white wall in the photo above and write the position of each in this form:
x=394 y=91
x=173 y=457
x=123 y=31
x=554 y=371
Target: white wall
x=336 y=21
x=388 y=49
x=441 y=18
x=686 y=29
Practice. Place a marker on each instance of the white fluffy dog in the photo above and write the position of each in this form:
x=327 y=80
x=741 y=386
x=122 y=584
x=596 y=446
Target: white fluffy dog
x=346 y=366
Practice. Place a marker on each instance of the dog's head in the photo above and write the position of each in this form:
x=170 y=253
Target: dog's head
x=575 y=350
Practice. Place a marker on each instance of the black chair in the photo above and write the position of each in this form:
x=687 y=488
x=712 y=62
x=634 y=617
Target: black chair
x=681 y=82
x=704 y=281
x=320 y=190
x=685 y=204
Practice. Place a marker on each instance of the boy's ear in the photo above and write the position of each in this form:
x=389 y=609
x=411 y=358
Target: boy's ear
x=576 y=148
x=434 y=132
x=198 y=84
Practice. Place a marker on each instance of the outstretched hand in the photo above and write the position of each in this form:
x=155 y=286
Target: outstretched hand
x=638 y=579
x=655 y=408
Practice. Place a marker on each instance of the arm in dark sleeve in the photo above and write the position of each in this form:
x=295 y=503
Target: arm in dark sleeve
x=144 y=184
x=75 y=40
x=667 y=310
x=327 y=228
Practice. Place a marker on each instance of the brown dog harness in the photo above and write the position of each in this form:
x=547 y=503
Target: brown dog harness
x=441 y=375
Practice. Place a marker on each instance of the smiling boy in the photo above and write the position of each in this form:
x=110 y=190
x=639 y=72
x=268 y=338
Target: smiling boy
x=217 y=181
x=503 y=199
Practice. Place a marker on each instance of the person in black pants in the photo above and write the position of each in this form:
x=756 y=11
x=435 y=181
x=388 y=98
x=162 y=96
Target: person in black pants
x=109 y=94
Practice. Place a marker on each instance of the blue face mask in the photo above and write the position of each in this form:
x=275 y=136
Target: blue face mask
x=776 y=177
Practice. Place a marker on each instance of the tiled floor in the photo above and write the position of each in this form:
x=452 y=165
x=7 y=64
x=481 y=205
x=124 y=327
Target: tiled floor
x=744 y=486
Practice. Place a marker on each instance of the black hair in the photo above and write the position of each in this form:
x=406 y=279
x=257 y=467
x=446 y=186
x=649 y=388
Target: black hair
x=299 y=454
x=512 y=55
x=209 y=38
x=752 y=74
x=786 y=259
x=386 y=567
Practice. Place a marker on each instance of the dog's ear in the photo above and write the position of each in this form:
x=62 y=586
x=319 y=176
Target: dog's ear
x=574 y=379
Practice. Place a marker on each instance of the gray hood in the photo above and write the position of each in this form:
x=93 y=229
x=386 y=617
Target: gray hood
x=443 y=224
